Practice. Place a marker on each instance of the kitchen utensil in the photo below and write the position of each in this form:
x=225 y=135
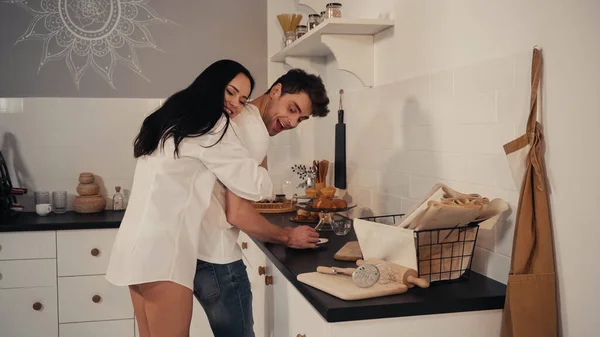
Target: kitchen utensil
x=339 y=168
x=349 y=252
x=404 y=274
x=364 y=276
x=345 y=289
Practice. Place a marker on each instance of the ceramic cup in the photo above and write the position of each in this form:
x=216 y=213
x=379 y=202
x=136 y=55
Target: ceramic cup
x=43 y=209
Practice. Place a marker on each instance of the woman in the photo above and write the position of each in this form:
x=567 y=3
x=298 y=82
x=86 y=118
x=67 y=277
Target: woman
x=182 y=149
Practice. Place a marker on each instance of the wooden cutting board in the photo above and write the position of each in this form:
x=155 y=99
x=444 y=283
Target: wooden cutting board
x=349 y=252
x=342 y=286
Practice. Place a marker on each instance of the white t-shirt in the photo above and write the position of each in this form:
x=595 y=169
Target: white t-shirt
x=218 y=239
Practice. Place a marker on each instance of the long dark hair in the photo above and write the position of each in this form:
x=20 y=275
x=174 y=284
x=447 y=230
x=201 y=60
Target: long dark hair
x=191 y=112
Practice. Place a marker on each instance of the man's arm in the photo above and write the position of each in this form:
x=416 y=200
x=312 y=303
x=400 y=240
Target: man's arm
x=243 y=215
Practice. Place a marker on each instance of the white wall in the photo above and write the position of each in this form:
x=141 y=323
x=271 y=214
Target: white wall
x=49 y=141
x=451 y=89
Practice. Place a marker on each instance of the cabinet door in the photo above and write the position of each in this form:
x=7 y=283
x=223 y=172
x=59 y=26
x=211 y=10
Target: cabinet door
x=120 y=328
x=257 y=285
x=293 y=315
x=28 y=312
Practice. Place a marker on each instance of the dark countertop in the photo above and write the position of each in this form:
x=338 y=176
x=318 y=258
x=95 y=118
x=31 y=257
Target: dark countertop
x=30 y=221
x=477 y=293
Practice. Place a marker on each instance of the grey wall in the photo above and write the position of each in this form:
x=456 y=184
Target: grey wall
x=171 y=51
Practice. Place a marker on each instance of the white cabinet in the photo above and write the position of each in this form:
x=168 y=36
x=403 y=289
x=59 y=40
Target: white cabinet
x=84 y=252
x=121 y=328
x=293 y=315
x=28 y=245
x=28 y=312
x=35 y=294
x=27 y=273
x=92 y=298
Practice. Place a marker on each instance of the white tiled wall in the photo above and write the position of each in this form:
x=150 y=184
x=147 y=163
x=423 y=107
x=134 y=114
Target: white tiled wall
x=448 y=127
x=49 y=141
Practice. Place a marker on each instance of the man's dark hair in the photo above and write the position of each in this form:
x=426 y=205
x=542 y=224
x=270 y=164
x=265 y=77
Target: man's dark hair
x=298 y=80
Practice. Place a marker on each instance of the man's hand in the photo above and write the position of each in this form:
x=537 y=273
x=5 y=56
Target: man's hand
x=302 y=237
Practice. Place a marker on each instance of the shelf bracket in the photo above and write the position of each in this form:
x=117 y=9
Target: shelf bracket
x=354 y=54
x=316 y=5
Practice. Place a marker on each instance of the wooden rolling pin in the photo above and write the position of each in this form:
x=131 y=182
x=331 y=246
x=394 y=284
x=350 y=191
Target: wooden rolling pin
x=408 y=276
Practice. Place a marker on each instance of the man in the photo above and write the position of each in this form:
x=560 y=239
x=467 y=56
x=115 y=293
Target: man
x=221 y=283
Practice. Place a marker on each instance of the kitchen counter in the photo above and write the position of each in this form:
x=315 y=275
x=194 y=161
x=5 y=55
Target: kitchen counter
x=30 y=221
x=478 y=293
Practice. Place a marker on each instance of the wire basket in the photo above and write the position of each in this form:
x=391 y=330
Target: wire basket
x=443 y=254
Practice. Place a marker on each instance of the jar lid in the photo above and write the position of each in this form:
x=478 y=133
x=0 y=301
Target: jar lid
x=333 y=4
x=300 y=26
x=314 y=15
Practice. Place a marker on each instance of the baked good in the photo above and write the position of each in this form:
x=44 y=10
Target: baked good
x=328 y=192
x=340 y=203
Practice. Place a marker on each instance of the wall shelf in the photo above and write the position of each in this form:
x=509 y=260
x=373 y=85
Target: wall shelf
x=350 y=41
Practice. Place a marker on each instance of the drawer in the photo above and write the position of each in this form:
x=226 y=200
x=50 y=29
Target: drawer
x=28 y=245
x=84 y=252
x=92 y=298
x=251 y=252
x=28 y=312
x=28 y=273
x=120 y=328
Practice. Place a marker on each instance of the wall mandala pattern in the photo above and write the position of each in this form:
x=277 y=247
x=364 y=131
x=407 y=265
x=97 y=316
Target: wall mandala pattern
x=91 y=34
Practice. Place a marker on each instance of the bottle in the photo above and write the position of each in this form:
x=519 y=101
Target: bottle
x=118 y=204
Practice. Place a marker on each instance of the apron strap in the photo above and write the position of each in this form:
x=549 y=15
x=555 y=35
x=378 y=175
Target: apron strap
x=536 y=66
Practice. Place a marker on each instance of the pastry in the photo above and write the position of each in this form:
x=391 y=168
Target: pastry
x=340 y=203
x=328 y=191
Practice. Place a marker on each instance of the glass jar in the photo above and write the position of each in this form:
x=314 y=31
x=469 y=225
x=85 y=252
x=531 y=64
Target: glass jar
x=300 y=30
x=322 y=17
x=313 y=21
x=333 y=10
x=289 y=38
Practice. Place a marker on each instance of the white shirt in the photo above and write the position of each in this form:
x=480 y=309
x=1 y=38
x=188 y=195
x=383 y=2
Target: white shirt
x=158 y=237
x=218 y=239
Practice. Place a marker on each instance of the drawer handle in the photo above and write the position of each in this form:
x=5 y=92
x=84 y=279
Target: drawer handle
x=0 y=276
x=96 y=299
x=262 y=270
x=299 y=335
x=37 y=306
x=95 y=252
x=268 y=280
x=0 y=248
x=244 y=245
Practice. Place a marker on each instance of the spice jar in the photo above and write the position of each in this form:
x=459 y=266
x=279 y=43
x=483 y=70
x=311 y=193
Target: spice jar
x=333 y=10
x=289 y=38
x=300 y=30
x=313 y=21
x=322 y=17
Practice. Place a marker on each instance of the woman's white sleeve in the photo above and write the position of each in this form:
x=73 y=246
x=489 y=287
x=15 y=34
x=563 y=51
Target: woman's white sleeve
x=232 y=164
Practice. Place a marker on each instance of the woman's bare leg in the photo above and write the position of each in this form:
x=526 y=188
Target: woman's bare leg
x=140 y=312
x=168 y=308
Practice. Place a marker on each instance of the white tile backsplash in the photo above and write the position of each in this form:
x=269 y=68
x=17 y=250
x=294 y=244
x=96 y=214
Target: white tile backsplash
x=55 y=139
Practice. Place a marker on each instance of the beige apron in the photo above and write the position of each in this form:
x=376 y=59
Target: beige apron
x=530 y=308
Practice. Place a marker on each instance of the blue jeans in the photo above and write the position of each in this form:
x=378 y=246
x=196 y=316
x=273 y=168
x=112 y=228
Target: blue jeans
x=224 y=292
